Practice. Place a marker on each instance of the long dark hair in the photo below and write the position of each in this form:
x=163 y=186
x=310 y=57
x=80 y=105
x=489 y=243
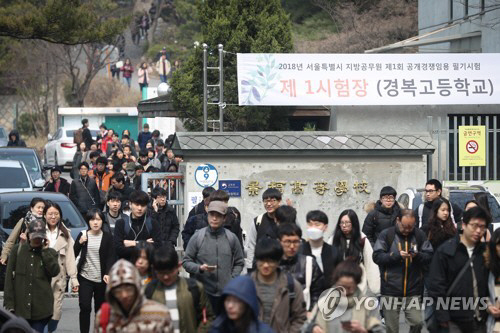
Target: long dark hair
x=491 y=257
x=60 y=224
x=439 y=230
x=339 y=244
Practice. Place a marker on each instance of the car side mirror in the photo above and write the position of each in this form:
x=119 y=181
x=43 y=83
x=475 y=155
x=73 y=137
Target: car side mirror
x=49 y=136
x=39 y=183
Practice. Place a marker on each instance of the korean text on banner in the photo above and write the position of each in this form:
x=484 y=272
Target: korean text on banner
x=368 y=79
x=472 y=146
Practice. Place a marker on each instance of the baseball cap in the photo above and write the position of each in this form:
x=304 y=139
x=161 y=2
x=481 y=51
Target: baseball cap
x=36 y=229
x=217 y=206
x=56 y=168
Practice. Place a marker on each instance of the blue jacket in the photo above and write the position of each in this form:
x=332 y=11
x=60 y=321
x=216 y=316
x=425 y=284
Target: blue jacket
x=243 y=288
x=143 y=138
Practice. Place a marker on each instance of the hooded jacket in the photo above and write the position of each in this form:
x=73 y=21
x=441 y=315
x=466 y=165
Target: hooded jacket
x=17 y=142
x=243 y=288
x=380 y=219
x=27 y=281
x=144 y=315
x=402 y=277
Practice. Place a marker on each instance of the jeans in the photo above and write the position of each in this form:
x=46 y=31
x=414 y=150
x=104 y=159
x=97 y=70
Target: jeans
x=412 y=308
x=128 y=80
x=163 y=78
x=52 y=326
x=85 y=292
x=39 y=325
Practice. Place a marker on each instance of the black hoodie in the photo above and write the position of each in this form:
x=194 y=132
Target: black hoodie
x=17 y=142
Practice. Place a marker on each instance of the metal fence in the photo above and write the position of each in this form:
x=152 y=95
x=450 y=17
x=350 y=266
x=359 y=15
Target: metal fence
x=173 y=183
x=453 y=170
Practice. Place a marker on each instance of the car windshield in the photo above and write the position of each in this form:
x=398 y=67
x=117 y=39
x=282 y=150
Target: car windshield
x=70 y=133
x=28 y=158
x=13 y=178
x=12 y=212
x=460 y=198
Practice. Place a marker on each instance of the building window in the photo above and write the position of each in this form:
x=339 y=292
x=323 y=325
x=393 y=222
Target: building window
x=466 y=8
x=451 y=10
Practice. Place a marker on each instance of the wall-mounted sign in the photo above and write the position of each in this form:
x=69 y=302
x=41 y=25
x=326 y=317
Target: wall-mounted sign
x=368 y=79
x=232 y=187
x=206 y=175
x=472 y=146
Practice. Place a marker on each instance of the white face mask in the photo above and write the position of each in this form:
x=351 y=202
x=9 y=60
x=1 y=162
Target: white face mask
x=314 y=233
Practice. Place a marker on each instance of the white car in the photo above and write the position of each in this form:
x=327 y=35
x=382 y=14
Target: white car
x=15 y=177
x=60 y=149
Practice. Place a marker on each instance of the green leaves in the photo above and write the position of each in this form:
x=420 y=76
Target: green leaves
x=250 y=26
x=67 y=22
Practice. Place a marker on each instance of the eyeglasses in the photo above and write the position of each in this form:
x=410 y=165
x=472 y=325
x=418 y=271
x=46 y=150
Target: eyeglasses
x=430 y=191
x=53 y=214
x=476 y=226
x=345 y=223
x=388 y=198
x=289 y=242
x=269 y=201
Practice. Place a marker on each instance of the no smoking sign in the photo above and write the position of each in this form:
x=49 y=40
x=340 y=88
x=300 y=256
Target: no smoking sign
x=472 y=147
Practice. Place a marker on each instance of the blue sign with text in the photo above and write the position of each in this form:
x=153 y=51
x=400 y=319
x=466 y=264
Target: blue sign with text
x=232 y=187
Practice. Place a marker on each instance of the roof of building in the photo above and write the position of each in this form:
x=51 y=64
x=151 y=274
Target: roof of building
x=160 y=106
x=312 y=143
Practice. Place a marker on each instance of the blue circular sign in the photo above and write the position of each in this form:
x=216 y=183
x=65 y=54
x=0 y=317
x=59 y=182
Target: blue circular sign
x=206 y=175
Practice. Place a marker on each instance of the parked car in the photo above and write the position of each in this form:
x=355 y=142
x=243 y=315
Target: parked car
x=411 y=198
x=60 y=149
x=14 y=177
x=3 y=137
x=15 y=205
x=31 y=161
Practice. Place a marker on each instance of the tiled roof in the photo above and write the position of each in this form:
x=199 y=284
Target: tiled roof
x=417 y=143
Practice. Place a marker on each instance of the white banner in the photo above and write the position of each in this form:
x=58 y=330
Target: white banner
x=368 y=79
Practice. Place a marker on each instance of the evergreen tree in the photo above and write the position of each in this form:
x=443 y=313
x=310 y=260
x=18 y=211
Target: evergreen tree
x=250 y=26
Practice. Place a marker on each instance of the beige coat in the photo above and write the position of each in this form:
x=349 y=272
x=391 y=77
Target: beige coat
x=67 y=265
x=11 y=241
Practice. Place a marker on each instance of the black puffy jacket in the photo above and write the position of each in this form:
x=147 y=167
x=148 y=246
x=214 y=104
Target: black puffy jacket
x=84 y=194
x=169 y=224
x=380 y=219
x=297 y=267
x=402 y=277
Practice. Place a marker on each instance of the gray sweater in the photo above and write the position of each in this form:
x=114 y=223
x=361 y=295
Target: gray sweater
x=217 y=248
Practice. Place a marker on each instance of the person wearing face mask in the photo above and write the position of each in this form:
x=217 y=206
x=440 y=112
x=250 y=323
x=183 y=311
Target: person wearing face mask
x=19 y=232
x=350 y=242
x=152 y=158
x=130 y=173
x=317 y=223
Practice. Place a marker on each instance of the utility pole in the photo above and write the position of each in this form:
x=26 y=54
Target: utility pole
x=219 y=85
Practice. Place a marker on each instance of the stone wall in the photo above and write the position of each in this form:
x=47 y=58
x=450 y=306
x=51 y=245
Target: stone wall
x=400 y=172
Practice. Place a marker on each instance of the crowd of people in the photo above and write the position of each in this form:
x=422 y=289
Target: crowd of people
x=269 y=277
